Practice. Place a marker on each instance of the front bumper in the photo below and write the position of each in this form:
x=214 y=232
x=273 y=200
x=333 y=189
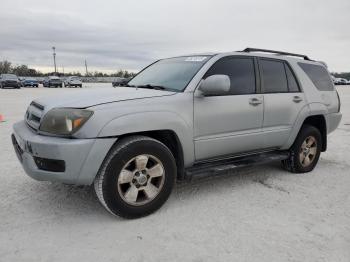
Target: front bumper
x=56 y=84
x=31 y=84
x=11 y=84
x=82 y=157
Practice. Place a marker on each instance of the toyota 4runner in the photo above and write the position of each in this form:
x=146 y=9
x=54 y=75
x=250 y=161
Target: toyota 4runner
x=179 y=118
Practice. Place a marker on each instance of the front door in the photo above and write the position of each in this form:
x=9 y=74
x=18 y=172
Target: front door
x=229 y=124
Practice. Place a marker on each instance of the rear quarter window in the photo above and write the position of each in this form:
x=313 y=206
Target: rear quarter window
x=318 y=75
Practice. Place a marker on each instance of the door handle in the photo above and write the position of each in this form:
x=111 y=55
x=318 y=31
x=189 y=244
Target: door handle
x=297 y=99
x=255 y=101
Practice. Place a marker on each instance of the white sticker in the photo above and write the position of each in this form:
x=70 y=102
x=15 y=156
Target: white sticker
x=195 y=58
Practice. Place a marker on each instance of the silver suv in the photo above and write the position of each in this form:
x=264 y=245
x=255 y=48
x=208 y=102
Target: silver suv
x=180 y=118
x=73 y=81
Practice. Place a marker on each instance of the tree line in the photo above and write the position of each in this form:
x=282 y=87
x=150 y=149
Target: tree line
x=345 y=75
x=6 y=67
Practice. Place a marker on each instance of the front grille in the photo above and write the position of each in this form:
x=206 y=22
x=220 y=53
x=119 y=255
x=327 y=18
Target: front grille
x=33 y=115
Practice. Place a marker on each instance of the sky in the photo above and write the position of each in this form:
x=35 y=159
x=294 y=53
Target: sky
x=129 y=34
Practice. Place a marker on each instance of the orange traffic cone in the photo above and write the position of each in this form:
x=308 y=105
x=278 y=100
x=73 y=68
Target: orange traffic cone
x=2 y=118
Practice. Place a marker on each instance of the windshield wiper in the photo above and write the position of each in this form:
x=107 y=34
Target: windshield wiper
x=149 y=86
x=156 y=87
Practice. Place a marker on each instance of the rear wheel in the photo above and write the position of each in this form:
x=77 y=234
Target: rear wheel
x=305 y=152
x=136 y=177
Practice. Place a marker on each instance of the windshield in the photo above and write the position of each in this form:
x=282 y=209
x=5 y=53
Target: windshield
x=9 y=76
x=172 y=74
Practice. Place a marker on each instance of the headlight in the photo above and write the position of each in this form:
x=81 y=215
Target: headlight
x=64 y=121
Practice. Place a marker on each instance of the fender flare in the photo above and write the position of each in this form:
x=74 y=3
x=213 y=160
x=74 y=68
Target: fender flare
x=312 y=109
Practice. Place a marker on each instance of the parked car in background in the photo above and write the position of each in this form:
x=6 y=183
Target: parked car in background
x=120 y=81
x=9 y=80
x=53 y=81
x=30 y=82
x=73 y=81
x=178 y=118
x=341 y=81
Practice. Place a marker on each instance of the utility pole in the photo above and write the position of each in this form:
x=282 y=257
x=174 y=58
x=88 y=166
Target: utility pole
x=54 y=58
x=86 y=70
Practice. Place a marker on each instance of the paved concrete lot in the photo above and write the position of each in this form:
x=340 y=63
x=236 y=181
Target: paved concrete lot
x=257 y=214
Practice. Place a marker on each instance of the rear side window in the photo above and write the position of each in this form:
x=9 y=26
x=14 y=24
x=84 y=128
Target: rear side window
x=274 y=76
x=318 y=75
x=241 y=72
x=292 y=82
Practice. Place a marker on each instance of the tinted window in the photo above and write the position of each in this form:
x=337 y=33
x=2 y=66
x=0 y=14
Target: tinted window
x=292 y=82
x=274 y=76
x=241 y=73
x=318 y=75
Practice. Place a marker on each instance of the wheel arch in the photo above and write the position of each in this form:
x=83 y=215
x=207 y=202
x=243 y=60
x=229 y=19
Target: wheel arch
x=170 y=139
x=318 y=121
x=167 y=127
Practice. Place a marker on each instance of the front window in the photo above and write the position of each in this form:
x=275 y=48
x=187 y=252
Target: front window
x=172 y=74
x=241 y=72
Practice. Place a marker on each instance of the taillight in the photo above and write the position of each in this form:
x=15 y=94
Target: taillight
x=338 y=100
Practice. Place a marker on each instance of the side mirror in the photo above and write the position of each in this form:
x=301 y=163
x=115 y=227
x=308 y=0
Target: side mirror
x=215 y=85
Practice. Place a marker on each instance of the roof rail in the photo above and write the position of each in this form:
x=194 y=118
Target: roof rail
x=248 y=50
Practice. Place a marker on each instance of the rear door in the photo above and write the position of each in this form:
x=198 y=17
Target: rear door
x=283 y=100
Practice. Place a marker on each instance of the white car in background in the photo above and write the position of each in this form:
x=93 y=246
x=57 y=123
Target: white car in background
x=73 y=81
x=341 y=81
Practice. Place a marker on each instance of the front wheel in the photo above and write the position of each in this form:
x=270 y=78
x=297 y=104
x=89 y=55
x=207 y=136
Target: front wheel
x=136 y=177
x=305 y=152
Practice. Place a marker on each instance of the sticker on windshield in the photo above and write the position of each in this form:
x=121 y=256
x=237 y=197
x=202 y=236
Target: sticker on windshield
x=195 y=58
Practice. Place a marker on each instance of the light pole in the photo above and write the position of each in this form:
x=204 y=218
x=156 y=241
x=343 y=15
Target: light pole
x=86 y=69
x=54 y=57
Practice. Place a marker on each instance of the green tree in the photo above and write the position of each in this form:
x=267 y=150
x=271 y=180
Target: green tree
x=5 y=67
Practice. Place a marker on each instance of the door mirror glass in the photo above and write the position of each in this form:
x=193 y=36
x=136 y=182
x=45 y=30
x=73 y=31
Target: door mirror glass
x=215 y=85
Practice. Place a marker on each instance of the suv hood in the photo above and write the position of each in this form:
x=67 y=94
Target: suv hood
x=92 y=97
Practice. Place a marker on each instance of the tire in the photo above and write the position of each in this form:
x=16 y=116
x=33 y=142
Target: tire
x=305 y=151
x=116 y=192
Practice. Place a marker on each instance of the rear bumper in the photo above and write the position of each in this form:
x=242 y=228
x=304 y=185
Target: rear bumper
x=333 y=121
x=81 y=158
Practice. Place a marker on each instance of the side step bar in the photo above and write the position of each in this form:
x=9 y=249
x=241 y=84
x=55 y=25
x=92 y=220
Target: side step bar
x=222 y=166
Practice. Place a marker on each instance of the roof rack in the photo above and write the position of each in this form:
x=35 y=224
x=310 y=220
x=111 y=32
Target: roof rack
x=248 y=50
